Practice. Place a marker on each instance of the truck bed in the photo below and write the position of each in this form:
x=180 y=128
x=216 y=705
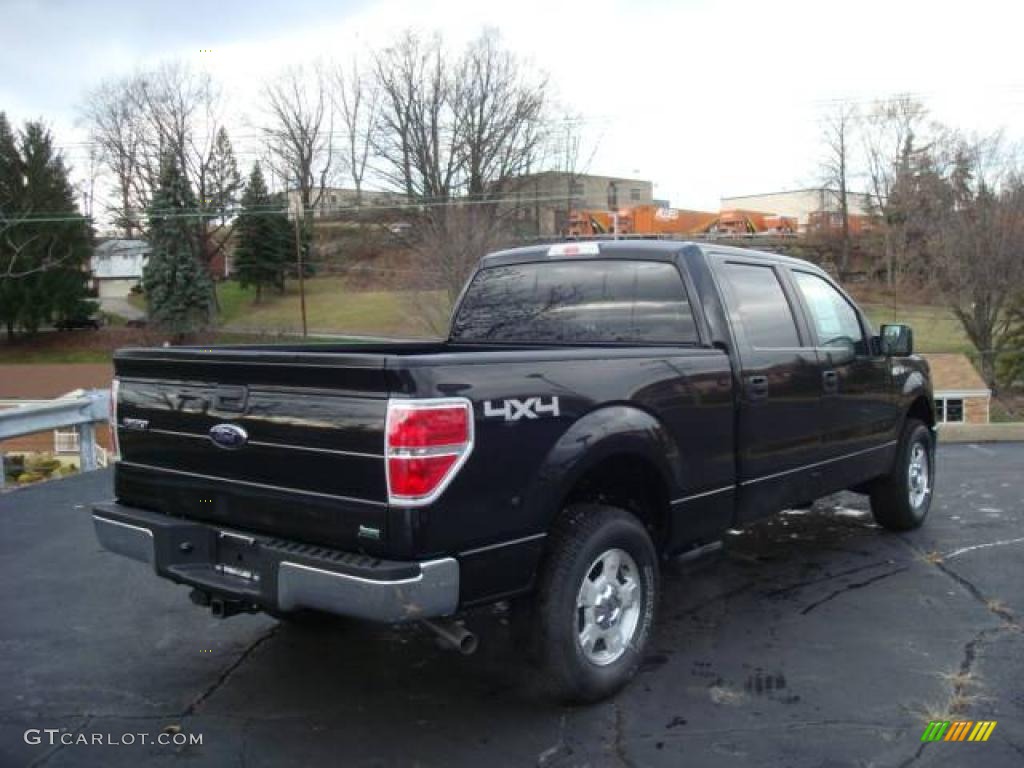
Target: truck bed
x=313 y=467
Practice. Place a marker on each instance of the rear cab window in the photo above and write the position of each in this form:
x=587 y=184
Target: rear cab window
x=614 y=301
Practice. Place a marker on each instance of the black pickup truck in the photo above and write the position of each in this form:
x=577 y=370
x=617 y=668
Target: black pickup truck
x=596 y=407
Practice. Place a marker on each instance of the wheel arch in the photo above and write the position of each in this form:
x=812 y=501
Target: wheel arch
x=922 y=409
x=619 y=455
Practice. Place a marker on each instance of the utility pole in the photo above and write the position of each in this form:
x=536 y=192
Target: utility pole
x=298 y=252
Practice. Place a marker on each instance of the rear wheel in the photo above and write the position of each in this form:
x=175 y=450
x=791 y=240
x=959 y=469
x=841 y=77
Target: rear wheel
x=597 y=600
x=901 y=500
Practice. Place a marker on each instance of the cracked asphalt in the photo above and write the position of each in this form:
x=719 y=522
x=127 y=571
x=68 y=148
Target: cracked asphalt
x=812 y=639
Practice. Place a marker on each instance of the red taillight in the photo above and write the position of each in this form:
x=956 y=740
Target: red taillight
x=115 y=444
x=427 y=443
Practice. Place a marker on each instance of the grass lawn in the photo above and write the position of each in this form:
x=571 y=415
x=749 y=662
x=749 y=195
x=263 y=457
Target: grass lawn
x=334 y=309
x=936 y=329
x=51 y=354
x=330 y=308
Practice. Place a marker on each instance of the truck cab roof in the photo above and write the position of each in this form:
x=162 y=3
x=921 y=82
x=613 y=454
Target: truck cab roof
x=653 y=250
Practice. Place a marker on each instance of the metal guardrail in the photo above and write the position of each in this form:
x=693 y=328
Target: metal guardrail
x=82 y=413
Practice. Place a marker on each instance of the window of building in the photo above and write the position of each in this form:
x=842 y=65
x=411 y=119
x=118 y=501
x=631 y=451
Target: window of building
x=65 y=440
x=763 y=309
x=835 y=320
x=949 y=410
x=636 y=195
x=576 y=189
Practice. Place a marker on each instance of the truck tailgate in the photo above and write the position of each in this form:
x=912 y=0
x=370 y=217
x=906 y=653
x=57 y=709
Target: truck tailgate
x=309 y=465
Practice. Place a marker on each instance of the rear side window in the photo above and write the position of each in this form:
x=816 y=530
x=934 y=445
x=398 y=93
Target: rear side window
x=595 y=301
x=762 y=307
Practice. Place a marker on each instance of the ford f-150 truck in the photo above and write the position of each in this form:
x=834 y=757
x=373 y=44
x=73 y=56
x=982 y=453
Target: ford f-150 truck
x=596 y=407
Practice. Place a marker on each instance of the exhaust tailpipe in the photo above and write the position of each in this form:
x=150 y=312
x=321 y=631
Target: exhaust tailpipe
x=454 y=635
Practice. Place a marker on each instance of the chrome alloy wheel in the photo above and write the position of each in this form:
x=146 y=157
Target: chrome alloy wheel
x=608 y=607
x=918 y=475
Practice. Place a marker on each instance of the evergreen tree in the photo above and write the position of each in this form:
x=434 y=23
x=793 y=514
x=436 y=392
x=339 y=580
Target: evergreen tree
x=179 y=292
x=223 y=180
x=46 y=242
x=263 y=247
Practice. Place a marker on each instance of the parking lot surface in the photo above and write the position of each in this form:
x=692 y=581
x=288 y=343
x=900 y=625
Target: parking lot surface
x=812 y=639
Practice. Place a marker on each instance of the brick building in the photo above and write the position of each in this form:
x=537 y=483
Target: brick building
x=961 y=396
x=27 y=384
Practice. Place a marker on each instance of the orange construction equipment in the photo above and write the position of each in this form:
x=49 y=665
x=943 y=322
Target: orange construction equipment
x=639 y=220
x=649 y=219
x=740 y=222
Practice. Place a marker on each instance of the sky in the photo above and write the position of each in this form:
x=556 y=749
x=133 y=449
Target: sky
x=706 y=99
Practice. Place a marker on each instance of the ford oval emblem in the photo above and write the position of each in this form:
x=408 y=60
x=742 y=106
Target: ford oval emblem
x=229 y=436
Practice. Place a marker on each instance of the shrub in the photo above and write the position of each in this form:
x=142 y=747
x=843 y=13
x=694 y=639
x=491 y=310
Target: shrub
x=46 y=466
x=29 y=477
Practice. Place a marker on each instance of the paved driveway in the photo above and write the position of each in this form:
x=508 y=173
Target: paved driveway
x=120 y=306
x=813 y=639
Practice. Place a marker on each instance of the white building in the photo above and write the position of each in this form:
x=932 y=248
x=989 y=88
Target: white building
x=117 y=266
x=799 y=203
x=335 y=200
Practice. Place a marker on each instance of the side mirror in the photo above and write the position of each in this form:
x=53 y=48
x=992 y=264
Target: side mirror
x=897 y=340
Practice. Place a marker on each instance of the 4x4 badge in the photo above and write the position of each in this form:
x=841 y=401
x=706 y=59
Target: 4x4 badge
x=514 y=410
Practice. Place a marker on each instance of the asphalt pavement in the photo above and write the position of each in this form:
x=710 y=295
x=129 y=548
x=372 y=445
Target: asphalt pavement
x=812 y=639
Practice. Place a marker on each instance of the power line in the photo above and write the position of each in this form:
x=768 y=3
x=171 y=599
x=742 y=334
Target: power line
x=214 y=213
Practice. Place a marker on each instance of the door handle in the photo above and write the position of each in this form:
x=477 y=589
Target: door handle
x=830 y=382
x=757 y=387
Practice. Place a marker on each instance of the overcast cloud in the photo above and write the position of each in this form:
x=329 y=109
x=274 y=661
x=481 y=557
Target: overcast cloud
x=706 y=99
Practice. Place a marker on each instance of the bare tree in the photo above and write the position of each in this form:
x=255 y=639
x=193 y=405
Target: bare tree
x=137 y=120
x=418 y=146
x=453 y=136
x=500 y=117
x=979 y=244
x=182 y=112
x=357 y=99
x=891 y=135
x=837 y=136
x=117 y=131
x=298 y=131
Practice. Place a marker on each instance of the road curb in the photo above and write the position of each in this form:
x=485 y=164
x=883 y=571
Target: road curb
x=1009 y=432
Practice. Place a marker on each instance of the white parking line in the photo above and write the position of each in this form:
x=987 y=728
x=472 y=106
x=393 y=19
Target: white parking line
x=982 y=546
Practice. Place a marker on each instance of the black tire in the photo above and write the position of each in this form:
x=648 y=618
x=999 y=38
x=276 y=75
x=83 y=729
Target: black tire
x=582 y=535
x=892 y=501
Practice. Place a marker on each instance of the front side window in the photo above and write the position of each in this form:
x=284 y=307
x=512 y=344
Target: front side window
x=835 y=320
x=585 y=301
x=762 y=307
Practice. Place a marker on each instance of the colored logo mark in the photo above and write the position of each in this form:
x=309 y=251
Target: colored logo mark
x=958 y=730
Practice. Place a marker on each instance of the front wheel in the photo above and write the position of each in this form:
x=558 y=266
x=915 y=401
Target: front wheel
x=901 y=500
x=597 y=598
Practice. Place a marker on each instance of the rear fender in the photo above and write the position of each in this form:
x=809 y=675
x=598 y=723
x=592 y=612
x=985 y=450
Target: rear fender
x=614 y=430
